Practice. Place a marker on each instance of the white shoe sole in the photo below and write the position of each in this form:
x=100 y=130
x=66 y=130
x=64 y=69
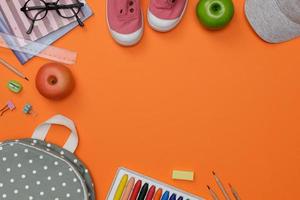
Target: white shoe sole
x=164 y=25
x=126 y=39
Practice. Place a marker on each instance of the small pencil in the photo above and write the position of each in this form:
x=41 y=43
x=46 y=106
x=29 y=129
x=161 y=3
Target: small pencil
x=234 y=192
x=13 y=69
x=212 y=193
x=222 y=188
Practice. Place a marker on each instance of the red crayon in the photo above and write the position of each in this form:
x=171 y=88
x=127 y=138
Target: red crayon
x=151 y=193
x=136 y=190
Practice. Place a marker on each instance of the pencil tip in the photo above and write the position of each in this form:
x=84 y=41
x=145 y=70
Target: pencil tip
x=26 y=79
x=208 y=187
x=230 y=185
x=213 y=172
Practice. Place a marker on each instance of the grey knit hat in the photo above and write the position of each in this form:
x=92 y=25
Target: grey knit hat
x=274 y=21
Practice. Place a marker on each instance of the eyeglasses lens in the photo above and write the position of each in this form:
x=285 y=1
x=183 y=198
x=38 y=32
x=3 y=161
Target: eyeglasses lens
x=36 y=14
x=68 y=13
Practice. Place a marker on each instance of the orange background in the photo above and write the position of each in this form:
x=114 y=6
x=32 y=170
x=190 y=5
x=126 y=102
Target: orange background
x=190 y=99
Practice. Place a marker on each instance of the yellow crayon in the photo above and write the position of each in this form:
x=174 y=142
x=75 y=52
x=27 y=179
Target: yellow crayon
x=121 y=187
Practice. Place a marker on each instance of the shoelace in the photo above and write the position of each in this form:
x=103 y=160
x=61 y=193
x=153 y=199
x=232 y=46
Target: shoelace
x=127 y=10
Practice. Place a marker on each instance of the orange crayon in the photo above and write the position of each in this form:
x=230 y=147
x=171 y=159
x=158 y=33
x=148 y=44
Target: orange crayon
x=158 y=194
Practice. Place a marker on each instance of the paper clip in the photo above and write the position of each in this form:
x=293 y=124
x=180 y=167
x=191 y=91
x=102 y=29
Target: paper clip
x=9 y=106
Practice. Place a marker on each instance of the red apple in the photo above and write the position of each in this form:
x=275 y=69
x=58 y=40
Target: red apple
x=54 y=81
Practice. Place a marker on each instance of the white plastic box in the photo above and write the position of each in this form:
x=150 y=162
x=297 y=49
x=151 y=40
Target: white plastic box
x=150 y=181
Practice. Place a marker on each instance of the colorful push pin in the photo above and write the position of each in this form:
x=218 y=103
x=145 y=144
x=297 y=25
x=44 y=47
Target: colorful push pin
x=27 y=109
x=9 y=106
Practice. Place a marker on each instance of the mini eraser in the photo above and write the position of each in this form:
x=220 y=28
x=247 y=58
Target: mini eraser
x=183 y=175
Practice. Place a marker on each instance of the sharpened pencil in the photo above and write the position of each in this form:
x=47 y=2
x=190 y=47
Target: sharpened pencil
x=13 y=69
x=234 y=192
x=212 y=193
x=222 y=188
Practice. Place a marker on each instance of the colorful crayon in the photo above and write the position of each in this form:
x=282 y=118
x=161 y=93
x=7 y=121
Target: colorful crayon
x=173 y=197
x=143 y=192
x=151 y=193
x=121 y=187
x=128 y=189
x=165 y=195
x=136 y=190
x=130 y=185
x=158 y=194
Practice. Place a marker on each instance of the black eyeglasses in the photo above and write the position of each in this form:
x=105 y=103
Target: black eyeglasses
x=36 y=10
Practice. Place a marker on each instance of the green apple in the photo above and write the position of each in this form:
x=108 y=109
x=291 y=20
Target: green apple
x=215 y=14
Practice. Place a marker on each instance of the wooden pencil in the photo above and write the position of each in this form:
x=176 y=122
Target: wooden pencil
x=212 y=193
x=234 y=192
x=13 y=69
x=222 y=188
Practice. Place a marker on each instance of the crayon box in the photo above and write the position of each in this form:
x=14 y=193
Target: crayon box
x=129 y=185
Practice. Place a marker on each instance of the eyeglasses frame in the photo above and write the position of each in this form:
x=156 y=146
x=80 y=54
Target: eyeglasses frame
x=48 y=7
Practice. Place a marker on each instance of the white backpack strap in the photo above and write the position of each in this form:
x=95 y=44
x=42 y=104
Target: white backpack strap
x=41 y=131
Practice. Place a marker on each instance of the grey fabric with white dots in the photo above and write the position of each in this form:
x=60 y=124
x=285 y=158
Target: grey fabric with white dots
x=33 y=169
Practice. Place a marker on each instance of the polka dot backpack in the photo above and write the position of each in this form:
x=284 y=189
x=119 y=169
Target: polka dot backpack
x=34 y=169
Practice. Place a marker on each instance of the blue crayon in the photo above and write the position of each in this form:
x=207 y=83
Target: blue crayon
x=180 y=198
x=173 y=196
x=165 y=196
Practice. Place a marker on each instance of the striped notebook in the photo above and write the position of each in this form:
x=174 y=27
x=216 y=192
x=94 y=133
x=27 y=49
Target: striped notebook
x=19 y=23
x=50 y=38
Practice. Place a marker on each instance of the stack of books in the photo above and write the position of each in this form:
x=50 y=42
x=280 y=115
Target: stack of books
x=13 y=21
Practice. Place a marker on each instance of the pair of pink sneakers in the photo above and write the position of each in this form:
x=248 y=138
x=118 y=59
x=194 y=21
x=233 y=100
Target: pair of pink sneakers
x=125 y=18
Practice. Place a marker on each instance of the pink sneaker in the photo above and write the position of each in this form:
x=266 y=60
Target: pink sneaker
x=125 y=21
x=164 y=15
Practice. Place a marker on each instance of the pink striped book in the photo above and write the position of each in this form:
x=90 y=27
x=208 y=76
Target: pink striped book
x=19 y=23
